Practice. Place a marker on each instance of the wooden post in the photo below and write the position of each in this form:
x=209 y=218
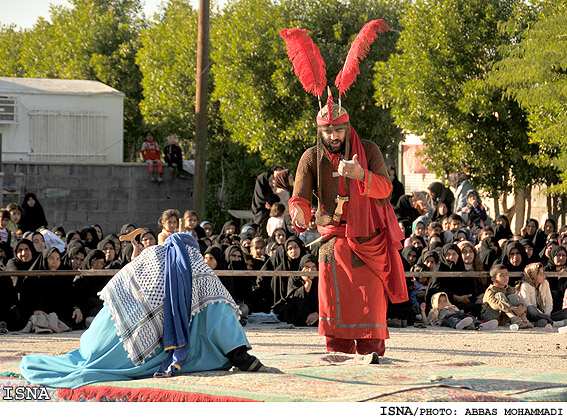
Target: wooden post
x=200 y=179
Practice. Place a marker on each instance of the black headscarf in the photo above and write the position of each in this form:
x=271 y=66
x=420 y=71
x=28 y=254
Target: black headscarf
x=240 y=287
x=15 y=264
x=60 y=229
x=397 y=189
x=405 y=253
x=217 y=253
x=442 y=194
x=446 y=265
x=227 y=224
x=70 y=234
x=551 y=266
x=404 y=209
x=428 y=253
x=71 y=253
x=32 y=217
x=90 y=230
x=115 y=263
x=489 y=256
x=535 y=257
x=125 y=227
x=90 y=259
x=506 y=257
x=41 y=261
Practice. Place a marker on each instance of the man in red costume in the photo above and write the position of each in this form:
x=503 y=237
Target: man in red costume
x=359 y=264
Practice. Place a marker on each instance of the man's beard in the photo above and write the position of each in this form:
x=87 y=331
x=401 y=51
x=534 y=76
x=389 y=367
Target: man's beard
x=327 y=144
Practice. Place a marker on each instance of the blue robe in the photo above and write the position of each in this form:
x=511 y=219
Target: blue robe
x=214 y=331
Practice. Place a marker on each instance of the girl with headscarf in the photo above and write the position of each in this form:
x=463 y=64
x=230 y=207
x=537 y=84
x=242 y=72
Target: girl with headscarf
x=301 y=302
x=514 y=259
x=441 y=212
x=74 y=257
x=229 y=228
x=489 y=252
x=73 y=235
x=98 y=230
x=475 y=210
x=405 y=209
x=90 y=236
x=33 y=216
x=286 y=258
x=557 y=263
x=86 y=288
x=534 y=290
x=214 y=258
x=409 y=257
x=461 y=290
x=471 y=261
x=109 y=250
x=240 y=287
x=397 y=187
x=59 y=231
x=531 y=256
x=502 y=228
x=437 y=193
x=532 y=232
x=50 y=294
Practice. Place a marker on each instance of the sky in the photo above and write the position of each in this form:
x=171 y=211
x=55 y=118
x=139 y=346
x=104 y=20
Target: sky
x=24 y=13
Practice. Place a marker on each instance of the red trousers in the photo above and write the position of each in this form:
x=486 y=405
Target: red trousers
x=362 y=346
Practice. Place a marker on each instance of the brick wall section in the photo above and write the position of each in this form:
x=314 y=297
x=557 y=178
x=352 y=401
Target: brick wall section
x=80 y=195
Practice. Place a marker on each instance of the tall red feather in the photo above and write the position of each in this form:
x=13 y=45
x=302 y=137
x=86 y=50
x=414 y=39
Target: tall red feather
x=306 y=59
x=358 y=51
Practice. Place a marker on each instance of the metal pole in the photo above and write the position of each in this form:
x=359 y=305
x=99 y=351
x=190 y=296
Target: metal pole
x=200 y=179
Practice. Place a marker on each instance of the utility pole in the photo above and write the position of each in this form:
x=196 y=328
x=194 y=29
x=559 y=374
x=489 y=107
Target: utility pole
x=200 y=179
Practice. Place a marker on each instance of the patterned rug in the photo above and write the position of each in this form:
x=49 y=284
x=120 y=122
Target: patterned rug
x=320 y=377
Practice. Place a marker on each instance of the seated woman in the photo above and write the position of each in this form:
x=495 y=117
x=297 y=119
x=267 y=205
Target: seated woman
x=127 y=338
x=301 y=305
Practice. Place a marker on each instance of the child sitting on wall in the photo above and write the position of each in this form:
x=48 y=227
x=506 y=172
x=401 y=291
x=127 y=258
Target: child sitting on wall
x=152 y=156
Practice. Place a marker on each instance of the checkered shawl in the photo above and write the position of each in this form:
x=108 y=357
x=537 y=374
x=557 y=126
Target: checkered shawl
x=135 y=297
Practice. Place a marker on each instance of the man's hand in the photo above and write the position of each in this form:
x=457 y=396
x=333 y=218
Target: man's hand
x=299 y=217
x=351 y=169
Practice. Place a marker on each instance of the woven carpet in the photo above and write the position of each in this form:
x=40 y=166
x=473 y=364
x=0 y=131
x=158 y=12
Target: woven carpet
x=320 y=377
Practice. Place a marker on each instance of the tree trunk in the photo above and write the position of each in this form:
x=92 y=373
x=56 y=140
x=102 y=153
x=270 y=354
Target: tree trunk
x=519 y=209
x=496 y=205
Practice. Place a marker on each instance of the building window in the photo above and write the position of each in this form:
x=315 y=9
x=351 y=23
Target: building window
x=8 y=110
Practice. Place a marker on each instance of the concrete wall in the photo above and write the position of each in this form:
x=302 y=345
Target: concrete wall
x=110 y=195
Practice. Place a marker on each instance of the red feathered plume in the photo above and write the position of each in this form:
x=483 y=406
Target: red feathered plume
x=358 y=50
x=306 y=59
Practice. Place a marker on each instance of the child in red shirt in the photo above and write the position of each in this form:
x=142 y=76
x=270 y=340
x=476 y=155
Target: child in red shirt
x=151 y=154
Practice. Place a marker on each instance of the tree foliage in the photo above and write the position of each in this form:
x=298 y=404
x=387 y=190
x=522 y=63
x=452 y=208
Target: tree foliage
x=534 y=73
x=262 y=102
x=437 y=88
x=91 y=40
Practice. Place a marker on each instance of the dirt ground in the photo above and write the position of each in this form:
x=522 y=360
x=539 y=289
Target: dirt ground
x=524 y=349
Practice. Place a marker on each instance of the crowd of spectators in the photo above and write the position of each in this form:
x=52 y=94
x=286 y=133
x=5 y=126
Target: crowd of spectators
x=445 y=231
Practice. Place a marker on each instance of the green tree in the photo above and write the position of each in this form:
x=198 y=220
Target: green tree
x=437 y=88
x=263 y=105
x=167 y=59
x=534 y=73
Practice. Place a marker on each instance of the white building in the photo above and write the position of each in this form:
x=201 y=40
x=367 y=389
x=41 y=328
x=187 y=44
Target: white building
x=68 y=121
x=415 y=176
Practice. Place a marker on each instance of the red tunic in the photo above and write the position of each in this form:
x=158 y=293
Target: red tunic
x=352 y=300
